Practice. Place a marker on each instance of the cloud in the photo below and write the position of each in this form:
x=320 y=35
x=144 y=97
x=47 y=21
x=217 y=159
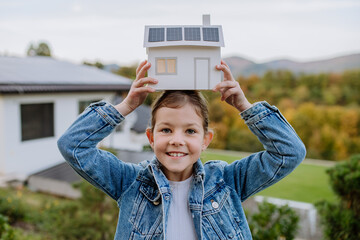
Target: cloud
x=76 y=7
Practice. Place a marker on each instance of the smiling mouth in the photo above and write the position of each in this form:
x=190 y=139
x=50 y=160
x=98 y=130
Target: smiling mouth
x=176 y=154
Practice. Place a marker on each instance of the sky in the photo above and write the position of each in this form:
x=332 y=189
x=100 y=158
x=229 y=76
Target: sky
x=112 y=31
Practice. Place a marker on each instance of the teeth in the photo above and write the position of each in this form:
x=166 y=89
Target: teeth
x=176 y=154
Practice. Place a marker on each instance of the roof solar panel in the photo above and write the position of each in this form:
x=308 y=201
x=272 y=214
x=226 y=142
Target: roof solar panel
x=211 y=34
x=156 y=34
x=174 y=34
x=192 y=34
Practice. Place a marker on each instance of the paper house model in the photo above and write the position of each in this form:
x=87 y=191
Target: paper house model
x=184 y=57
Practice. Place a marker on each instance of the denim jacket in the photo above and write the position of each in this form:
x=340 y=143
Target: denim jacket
x=143 y=193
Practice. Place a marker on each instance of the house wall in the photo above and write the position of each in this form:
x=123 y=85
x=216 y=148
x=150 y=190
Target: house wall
x=185 y=55
x=126 y=139
x=52 y=186
x=2 y=140
x=21 y=158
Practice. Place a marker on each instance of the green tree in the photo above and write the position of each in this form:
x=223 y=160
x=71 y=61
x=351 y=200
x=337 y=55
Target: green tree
x=96 y=64
x=129 y=72
x=41 y=49
x=342 y=219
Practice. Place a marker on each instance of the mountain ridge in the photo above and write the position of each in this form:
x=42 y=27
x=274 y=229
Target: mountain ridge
x=241 y=66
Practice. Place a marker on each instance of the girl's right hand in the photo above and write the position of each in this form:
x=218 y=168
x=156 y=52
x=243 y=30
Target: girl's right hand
x=138 y=91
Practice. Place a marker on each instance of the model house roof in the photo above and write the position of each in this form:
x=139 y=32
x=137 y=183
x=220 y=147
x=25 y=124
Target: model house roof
x=184 y=35
x=45 y=74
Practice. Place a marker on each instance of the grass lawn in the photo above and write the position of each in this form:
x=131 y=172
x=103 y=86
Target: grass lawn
x=307 y=183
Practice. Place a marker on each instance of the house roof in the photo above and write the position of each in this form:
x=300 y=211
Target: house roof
x=64 y=172
x=60 y=172
x=45 y=74
x=143 y=117
x=143 y=113
x=183 y=35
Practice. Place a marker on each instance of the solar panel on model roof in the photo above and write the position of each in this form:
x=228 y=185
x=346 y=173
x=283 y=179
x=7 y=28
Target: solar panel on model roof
x=156 y=34
x=211 y=34
x=192 y=34
x=174 y=34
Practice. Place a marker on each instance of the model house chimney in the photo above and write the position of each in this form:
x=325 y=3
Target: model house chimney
x=206 y=19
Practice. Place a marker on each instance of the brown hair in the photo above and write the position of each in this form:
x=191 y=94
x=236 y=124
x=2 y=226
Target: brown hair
x=177 y=99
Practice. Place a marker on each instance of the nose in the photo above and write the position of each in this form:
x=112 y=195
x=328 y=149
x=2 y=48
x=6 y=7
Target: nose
x=177 y=139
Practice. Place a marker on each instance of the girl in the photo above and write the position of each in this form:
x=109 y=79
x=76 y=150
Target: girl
x=175 y=196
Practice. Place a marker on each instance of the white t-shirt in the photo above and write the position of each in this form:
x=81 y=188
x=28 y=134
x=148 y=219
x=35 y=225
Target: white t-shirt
x=180 y=223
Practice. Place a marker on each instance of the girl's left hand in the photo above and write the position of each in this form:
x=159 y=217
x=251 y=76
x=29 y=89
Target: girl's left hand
x=230 y=89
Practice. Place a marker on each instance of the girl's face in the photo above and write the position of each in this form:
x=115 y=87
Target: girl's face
x=178 y=139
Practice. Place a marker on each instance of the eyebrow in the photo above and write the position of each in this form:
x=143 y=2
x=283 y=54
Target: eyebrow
x=186 y=125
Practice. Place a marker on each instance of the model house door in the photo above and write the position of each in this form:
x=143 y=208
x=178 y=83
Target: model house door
x=202 y=74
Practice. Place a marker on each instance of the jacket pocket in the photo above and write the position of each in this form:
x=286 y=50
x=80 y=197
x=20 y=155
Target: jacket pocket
x=137 y=236
x=146 y=218
x=220 y=218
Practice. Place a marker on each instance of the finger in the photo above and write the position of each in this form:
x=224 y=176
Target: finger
x=140 y=66
x=142 y=71
x=229 y=92
x=145 y=89
x=224 y=63
x=226 y=71
x=225 y=84
x=222 y=90
x=142 y=81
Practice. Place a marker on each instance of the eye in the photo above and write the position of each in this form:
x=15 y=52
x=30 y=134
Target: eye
x=165 y=130
x=190 y=131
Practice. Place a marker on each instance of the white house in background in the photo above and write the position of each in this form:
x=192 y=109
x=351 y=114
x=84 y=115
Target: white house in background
x=184 y=57
x=39 y=98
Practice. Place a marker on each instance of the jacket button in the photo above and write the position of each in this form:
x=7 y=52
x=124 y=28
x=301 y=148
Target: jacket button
x=215 y=205
x=156 y=203
x=167 y=197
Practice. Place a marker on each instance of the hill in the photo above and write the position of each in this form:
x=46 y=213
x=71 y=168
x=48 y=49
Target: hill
x=245 y=67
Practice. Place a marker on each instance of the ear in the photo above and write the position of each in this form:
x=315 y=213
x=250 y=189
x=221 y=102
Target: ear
x=207 y=139
x=150 y=137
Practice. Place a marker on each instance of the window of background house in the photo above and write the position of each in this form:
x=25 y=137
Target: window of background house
x=85 y=104
x=37 y=121
x=166 y=66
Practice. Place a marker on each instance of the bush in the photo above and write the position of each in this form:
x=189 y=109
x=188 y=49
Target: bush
x=342 y=220
x=92 y=217
x=273 y=222
x=68 y=221
x=12 y=208
x=6 y=232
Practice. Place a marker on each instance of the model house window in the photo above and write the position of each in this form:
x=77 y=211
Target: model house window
x=37 y=121
x=166 y=66
x=85 y=104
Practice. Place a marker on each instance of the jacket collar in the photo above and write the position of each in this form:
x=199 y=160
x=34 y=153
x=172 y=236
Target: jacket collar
x=152 y=173
x=155 y=165
x=155 y=183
